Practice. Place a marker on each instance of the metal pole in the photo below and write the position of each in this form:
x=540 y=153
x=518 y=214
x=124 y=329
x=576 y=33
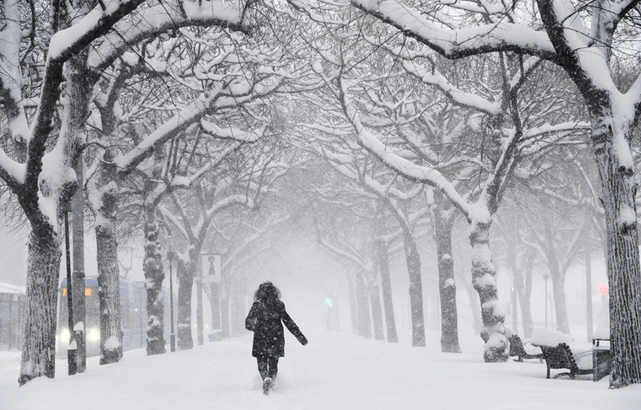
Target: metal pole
x=71 y=351
x=172 y=336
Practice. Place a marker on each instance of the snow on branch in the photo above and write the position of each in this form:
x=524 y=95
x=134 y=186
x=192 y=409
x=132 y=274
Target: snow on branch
x=501 y=36
x=62 y=47
x=220 y=96
x=231 y=200
x=94 y=24
x=480 y=7
x=231 y=133
x=11 y=78
x=185 y=182
x=404 y=167
x=317 y=12
x=537 y=139
x=163 y=17
x=179 y=122
x=346 y=254
x=172 y=218
x=249 y=242
x=347 y=165
x=458 y=96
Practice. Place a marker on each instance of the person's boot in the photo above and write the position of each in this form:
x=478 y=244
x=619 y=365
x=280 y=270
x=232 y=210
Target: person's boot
x=267 y=385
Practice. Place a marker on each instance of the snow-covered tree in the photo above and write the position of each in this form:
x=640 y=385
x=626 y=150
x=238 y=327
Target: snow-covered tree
x=584 y=39
x=209 y=74
x=490 y=121
x=443 y=216
x=356 y=250
x=240 y=180
x=548 y=218
x=368 y=179
x=44 y=144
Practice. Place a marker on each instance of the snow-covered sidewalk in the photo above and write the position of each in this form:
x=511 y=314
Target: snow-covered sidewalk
x=335 y=371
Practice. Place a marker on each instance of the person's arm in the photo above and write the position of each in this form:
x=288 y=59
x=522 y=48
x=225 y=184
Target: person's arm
x=292 y=327
x=252 y=318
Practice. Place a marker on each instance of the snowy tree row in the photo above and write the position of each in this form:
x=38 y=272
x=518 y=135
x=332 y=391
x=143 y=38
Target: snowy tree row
x=187 y=114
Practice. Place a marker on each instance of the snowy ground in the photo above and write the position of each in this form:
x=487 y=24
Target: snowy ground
x=336 y=371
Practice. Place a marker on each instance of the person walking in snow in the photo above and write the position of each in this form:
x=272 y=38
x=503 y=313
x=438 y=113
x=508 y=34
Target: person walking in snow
x=266 y=318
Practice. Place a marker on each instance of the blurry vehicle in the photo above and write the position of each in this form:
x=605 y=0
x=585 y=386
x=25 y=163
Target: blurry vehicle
x=13 y=306
x=133 y=316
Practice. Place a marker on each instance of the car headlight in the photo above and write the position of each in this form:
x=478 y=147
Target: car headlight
x=64 y=337
x=93 y=335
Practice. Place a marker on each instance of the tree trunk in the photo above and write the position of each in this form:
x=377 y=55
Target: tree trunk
x=214 y=304
x=517 y=275
x=43 y=264
x=200 y=321
x=377 y=311
x=79 y=281
x=475 y=306
x=108 y=271
x=524 y=293
x=447 y=285
x=484 y=280
x=413 y=260
x=43 y=270
x=79 y=88
x=154 y=277
x=109 y=295
x=185 y=288
x=225 y=297
x=558 y=281
x=238 y=311
x=386 y=286
x=353 y=302
x=624 y=274
x=362 y=303
x=560 y=309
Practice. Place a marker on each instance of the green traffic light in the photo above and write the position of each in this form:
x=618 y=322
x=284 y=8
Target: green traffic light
x=329 y=302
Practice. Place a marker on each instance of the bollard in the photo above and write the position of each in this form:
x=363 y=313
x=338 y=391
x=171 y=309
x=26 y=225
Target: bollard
x=71 y=357
x=81 y=359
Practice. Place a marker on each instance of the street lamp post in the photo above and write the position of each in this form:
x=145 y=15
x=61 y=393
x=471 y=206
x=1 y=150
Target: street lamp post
x=172 y=335
x=72 y=349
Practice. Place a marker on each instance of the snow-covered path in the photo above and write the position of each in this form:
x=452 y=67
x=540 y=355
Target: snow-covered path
x=336 y=371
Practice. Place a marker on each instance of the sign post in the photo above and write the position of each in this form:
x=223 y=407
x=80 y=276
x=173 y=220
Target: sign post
x=211 y=268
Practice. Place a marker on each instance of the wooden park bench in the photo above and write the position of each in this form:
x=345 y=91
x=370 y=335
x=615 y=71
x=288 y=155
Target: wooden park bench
x=517 y=348
x=561 y=357
x=601 y=358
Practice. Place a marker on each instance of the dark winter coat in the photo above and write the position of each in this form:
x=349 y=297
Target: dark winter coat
x=265 y=319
